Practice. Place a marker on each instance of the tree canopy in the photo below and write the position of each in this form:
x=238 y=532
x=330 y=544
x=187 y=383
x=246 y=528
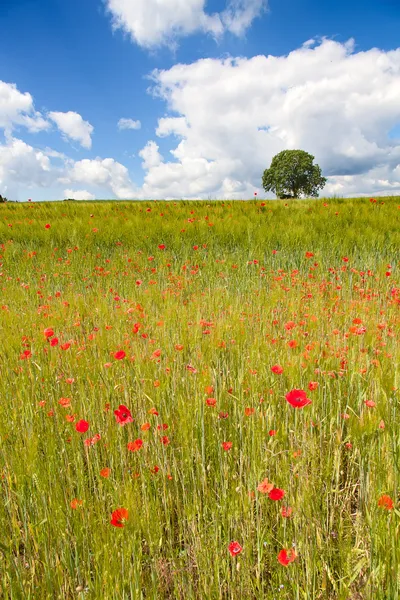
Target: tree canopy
x=292 y=174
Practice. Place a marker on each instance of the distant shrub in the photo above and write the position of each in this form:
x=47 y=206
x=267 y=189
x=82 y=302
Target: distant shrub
x=3 y=199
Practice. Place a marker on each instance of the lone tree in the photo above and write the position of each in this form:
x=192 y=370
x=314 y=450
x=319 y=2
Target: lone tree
x=292 y=174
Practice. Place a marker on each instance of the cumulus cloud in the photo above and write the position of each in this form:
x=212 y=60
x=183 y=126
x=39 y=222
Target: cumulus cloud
x=153 y=23
x=78 y=195
x=72 y=126
x=231 y=116
x=105 y=173
x=17 y=109
x=240 y=14
x=128 y=124
x=150 y=155
x=24 y=167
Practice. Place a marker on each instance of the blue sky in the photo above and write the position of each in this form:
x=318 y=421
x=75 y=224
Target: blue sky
x=68 y=57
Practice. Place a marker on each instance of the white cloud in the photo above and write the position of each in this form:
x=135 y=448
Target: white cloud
x=151 y=156
x=17 y=109
x=129 y=124
x=105 y=173
x=240 y=14
x=153 y=23
x=74 y=127
x=23 y=167
x=232 y=116
x=78 y=195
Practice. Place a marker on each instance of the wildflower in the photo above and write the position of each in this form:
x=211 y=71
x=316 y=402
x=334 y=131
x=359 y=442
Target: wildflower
x=82 y=426
x=123 y=415
x=370 y=403
x=386 y=502
x=135 y=446
x=119 y=517
x=276 y=494
x=47 y=226
x=285 y=557
x=265 y=487
x=105 y=472
x=120 y=355
x=48 y=333
x=277 y=369
x=75 y=503
x=65 y=402
x=211 y=401
x=227 y=446
x=298 y=398
x=235 y=548
x=286 y=511
x=312 y=385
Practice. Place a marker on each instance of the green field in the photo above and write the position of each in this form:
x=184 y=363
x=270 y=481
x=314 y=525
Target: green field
x=183 y=312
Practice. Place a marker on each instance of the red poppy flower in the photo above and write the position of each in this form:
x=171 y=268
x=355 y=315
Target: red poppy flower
x=272 y=432
x=312 y=385
x=119 y=355
x=105 y=472
x=235 y=548
x=123 y=415
x=54 y=341
x=370 y=403
x=276 y=494
x=211 y=401
x=298 y=398
x=47 y=226
x=265 y=487
x=161 y=246
x=135 y=446
x=386 y=502
x=277 y=369
x=49 y=332
x=286 y=511
x=227 y=446
x=65 y=402
x=285 y=557
x=119 y=517
x=82 y=426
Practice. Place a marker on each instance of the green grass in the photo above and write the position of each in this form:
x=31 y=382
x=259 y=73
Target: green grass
x=98 y=271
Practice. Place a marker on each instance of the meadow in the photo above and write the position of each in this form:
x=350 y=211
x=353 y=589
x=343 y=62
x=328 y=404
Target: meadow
x=200 y=400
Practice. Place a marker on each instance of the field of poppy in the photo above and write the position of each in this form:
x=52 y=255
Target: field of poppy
x=200 y=400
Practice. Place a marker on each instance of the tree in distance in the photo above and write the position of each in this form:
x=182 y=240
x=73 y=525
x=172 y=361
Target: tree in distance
x=292 y=174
